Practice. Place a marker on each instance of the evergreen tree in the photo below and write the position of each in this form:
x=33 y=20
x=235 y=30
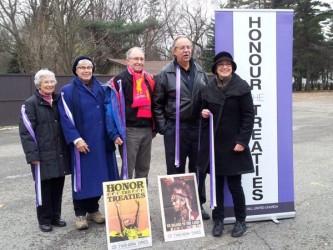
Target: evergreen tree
x=308 y=41
x=209 y=51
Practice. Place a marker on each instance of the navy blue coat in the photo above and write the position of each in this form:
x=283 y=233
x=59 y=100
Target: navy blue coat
x=99 y=165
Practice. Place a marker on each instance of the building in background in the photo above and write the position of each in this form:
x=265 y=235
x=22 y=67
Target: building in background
x=114 y=66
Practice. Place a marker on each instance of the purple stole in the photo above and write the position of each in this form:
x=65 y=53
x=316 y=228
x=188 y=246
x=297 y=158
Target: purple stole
x=177 y=116
x=77 y=162
x=123 y=119
x=38 y=188
x=212 y=163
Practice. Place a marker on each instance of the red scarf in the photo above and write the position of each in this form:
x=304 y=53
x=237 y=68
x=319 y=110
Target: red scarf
x=141 y=94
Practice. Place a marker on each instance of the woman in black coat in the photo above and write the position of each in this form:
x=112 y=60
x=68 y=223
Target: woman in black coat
x=229 y=99
x=45 y=147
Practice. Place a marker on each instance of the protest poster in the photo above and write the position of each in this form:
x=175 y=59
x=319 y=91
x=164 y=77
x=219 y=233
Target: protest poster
x=127 y=214
x=180 y=208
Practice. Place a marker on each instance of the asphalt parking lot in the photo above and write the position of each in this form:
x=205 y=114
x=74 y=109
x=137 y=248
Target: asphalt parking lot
x=312 y=228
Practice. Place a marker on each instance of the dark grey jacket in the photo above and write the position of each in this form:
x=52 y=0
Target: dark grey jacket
x=51 y=151
x=164 y=98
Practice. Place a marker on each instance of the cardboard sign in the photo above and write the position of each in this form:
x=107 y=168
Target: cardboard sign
x=180 y=207
x=127 y=214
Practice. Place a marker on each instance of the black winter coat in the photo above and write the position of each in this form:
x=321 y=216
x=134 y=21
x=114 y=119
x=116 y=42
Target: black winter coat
x=233 y=115
x=51 y=151
x=164 y=99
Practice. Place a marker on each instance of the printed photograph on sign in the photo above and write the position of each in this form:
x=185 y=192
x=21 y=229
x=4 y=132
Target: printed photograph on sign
x=127 y=214
x=180 y=208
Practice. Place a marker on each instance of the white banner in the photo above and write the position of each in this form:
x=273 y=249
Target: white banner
x=261 y=44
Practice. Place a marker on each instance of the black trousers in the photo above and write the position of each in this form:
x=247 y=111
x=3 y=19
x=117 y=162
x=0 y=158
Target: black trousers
x=84 y=206
x=188 y=144
x=238 y=197
x=51 y=200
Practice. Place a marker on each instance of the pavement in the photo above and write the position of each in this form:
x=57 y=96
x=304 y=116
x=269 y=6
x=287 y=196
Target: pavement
x=312 y=228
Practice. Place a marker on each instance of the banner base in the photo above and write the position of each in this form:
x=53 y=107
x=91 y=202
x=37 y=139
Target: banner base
x=263 y=217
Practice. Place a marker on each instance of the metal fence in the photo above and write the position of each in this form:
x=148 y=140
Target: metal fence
x=15 y=88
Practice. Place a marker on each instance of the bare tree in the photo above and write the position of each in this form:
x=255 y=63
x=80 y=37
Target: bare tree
x=185 y=18
x=68 y=22
x=43 y=33
x=13 y=18
x=50 y=33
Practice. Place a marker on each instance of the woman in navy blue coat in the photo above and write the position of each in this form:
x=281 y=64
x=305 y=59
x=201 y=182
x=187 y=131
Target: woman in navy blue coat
x=93 y=154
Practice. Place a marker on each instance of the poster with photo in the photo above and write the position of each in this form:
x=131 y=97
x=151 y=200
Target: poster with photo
x=180 y=207
x=127 y=214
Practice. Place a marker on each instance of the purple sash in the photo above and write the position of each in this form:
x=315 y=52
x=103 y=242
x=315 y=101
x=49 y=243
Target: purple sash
x=199 y=142
x=38 y=187
x=123 y=119
x=212 y=163
x=77 y=162
x=177 y=116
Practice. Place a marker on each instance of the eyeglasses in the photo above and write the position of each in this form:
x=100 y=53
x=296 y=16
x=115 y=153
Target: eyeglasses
x=227 y=65
x=184 y=47
x=85 y=68
x=49 y=82
x=137 y=59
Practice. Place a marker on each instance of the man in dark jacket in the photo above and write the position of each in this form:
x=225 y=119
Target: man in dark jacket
x=176 y=110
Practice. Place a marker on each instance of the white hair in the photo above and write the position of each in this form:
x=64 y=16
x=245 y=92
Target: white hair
x=129 y=52
x=42 y=73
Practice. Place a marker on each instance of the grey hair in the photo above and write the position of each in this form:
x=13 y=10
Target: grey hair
x=177 y=38
x=129 y=52
x=42 y=73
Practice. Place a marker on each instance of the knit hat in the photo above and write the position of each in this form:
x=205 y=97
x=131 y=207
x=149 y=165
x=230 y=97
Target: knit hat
x=79 y=59
x=223 y=56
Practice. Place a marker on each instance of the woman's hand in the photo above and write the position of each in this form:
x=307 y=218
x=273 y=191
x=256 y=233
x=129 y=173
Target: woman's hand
x=239 y=148
x=35 y=162
x=82 y=146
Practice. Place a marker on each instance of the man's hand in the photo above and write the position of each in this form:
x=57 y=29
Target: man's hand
x=118 y=141
x=205 y=113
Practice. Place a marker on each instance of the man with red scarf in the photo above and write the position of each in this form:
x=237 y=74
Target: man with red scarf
x=134 y=132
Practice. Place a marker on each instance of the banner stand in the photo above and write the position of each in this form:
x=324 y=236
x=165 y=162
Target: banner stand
x=261 y=43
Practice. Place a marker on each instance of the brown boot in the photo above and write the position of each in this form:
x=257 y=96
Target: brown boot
x=81 y=223
x=96 y=217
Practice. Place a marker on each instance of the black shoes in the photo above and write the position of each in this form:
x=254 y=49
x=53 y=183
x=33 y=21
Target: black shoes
x=239 y=229
x=218 y=228
x=48 y=227
x=45 y=228
x=204 y=214
x=58 y=223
